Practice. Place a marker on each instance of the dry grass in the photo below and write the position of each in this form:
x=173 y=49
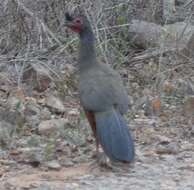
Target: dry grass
x=33 y=32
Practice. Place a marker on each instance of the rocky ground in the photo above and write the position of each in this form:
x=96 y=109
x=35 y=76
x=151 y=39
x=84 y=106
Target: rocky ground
x=161 y=163
x=46 y=144
x=45 y=140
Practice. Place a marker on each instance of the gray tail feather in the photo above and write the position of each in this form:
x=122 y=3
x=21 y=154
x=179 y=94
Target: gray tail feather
x=113 y=135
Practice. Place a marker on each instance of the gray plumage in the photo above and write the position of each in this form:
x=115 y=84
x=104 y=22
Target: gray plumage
x=103 y=95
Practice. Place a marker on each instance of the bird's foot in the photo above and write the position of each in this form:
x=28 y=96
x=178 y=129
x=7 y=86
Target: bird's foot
x=105 y=163
x=121 y=167
x=103 y=160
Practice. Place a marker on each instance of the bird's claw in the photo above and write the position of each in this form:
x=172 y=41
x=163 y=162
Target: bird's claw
x=103 y=160
x=105 y=163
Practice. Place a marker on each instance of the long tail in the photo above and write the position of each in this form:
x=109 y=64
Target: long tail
x=113 y=134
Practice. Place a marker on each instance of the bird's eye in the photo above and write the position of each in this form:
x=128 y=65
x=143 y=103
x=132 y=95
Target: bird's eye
x=78 y=21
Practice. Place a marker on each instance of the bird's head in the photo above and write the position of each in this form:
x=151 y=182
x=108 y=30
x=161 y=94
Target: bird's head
x=78 y=23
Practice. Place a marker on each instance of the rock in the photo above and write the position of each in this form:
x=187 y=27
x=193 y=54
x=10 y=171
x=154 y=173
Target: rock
x=145 y=34
x=32 y=114
x=55 y=103
x=8 y=162
x=31 y=108
x=189 y=106
x=192 y=129
x=163 y=139
x=13 y=111
x=43 y=186
x=33 y=140
x=49 y=126
x=54 y=165
x=13 y=117
x=37 y=76
x=31 y=155
x=188 y=111
x=4 y=93
x=74 y=112
x=45 y=114
x=168 y=87
x=66 y=162
x=6 y=130
x=170 y=148
x=180 y=36
x=15 y=103
x=33 y=121
x=177 y=37
x=79 y=159
x=186 y=146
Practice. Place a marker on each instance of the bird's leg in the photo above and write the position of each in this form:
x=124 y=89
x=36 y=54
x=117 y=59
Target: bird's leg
x=97 y=145
x=91 y=120
x=102 y=159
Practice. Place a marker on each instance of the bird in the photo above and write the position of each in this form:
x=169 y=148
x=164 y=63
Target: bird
x=102 y=96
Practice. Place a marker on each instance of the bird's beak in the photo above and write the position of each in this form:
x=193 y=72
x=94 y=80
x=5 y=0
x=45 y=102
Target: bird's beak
x=69 y=19
x=68 y=24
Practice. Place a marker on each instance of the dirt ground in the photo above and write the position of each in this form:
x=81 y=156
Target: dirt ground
x=162 y=162
x=41 y=120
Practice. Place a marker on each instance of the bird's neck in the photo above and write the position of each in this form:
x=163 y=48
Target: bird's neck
x=87 y=54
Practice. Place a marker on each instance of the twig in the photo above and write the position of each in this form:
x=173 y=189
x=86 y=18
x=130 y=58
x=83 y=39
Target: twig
x=44 y=26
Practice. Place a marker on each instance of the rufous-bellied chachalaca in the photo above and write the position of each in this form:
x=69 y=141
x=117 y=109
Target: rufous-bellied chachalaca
x=102 y=96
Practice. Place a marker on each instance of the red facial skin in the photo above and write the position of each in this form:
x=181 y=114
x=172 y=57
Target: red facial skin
x=76 y=25
x=75 y=28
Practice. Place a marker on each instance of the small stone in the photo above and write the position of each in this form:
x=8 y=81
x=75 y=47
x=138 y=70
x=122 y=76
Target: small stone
x=8 y=162
x=163 y=139
x=32 y=114
x=192 y=129
x=45 y=114
x=168 y=87
x=33 y=121
x=189 y=106
x=54 y=165
x=32 y=108
x=49 y=126
x=74 y=112
x=171 y=148
x=43 y=187
x=37 y=76
x=31 y=155
x=55 y=103
x=6 y=130
x=67 y=162
x=79 y=159
x=15 y=103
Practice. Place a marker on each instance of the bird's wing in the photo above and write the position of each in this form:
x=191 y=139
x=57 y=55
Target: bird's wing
x=102 y=89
